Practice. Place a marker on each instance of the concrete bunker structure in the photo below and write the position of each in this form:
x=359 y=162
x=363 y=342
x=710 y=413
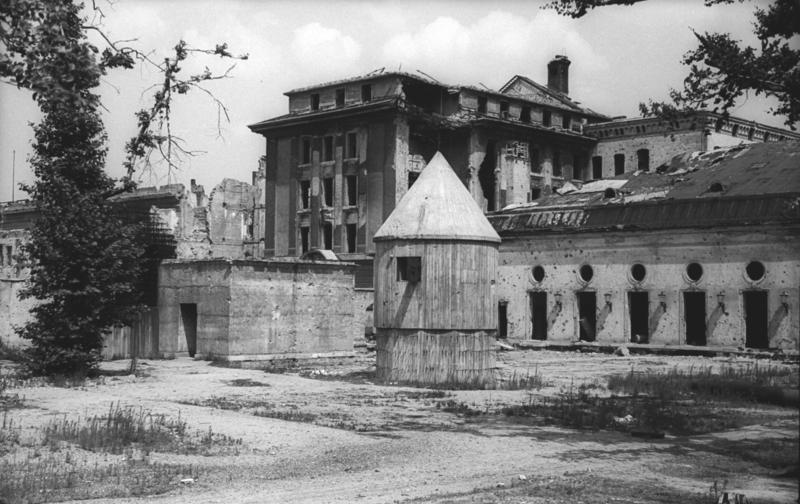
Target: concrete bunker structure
x=256 y=310
x=435 y=267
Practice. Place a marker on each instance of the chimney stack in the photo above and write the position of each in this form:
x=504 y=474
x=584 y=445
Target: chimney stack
x=558 y=74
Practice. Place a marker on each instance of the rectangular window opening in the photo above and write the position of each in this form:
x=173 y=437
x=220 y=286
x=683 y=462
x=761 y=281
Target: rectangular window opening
x=525 y=115
x=305 y=194
x=643 y=157
x=639 y=310
x=502 y=320
x=619 y=164
x=327 y=189
x=327 y=148
x=340 y=97
x=352 y=145
x=315 y=101
x=327 y=235
x=304 y=237
x=409 y=269
x=557 y=164
x=504 y=110
x=694 y=316
x=756 y=318
x=547 y=118
x=482 y=104
x=352 y=190
x=566 y=121
x=306 y=154
x=536 y=166
x=366 y=92
x=350 y=230
x=587 y=315
x=597 y=167
x=538 y=315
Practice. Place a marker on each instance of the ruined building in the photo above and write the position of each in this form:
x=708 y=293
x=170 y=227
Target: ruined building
x=347 y=151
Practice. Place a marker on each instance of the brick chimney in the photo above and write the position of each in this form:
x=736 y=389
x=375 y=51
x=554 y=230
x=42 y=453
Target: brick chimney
x=558 y=74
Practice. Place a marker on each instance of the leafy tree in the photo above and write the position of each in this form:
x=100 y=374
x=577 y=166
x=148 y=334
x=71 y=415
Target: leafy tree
x=86 y=258
x=722 y=70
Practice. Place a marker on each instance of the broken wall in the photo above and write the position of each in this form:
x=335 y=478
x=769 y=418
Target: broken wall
x=662 y=148
x=722 y=253
x=13 y=277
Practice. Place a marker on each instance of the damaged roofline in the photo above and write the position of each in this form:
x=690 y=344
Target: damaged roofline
x=333 y=113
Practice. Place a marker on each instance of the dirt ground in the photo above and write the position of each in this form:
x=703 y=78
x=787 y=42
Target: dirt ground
x=330 y=435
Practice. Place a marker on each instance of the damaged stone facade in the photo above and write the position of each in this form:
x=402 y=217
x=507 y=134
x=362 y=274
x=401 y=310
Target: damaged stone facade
x=347 y=151
x=703 y=254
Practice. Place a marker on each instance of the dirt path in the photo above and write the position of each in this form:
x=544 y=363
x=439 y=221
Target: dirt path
x=353 y=441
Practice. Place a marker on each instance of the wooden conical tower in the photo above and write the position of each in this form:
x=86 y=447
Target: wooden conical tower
x=435 y=266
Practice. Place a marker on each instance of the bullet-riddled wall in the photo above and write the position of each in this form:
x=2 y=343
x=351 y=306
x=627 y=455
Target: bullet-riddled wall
x=240 y=310
x=726 y=294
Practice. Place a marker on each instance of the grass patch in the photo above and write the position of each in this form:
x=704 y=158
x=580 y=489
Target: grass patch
x=756 y=383
x=54 y=477
x=125 y=426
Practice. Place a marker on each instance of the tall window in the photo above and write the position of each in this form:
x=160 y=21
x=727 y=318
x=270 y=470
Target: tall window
x=566 y=121
x=619 y=164
x=327 y=189
x=350 y=231
x=504 y=109
x=557 y=164
x=306 y=154
x=327 y=148
x=643 y=157
x=351 y=187
x=327 y=235
x=481 y=104
x=340 y=97
x=366 y=92
x=536 y=166
x=315 y=101
x=525 y=115
x=305 y=194
x=352 y=145
x=304 y=239
x=597 y=167
x=547 y=118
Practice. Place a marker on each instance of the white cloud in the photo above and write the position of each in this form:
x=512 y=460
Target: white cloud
x=324 y=53
x=491 y=49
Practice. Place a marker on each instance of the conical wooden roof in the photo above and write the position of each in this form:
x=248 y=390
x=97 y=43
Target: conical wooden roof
x=437 y=207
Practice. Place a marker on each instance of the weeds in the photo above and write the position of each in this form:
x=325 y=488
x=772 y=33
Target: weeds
x=754 y=383
x=520 y=381
x=247 y=382
x=122 y=427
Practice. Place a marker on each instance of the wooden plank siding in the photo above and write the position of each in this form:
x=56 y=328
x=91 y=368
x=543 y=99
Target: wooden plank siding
x=455 y=292
x=143 y=332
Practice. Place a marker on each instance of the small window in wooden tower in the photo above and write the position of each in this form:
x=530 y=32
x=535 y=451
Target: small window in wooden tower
x=409 y=269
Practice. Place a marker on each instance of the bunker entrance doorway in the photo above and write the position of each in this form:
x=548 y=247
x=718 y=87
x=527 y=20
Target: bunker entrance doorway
x=694 y=314
x=189 y=326
x=639 y=308
x=755 y=319
x=539 y=315
x=587 y=315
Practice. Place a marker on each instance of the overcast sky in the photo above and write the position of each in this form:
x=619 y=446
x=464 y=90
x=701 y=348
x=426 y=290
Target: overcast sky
x=620 y=57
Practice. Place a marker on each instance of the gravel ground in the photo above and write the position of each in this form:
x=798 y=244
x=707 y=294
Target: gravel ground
x=331 y=435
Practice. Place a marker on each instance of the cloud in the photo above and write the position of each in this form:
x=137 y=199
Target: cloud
x=323 y=53
x=491 y=49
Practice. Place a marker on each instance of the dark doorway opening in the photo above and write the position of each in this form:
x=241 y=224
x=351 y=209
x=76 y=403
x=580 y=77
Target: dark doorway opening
x=502 y=319
x=639 y=308
x=587 y=315
x=694 y=314
x=756 y=319
x=189 y=325
x=539 y=315
x=486 y=176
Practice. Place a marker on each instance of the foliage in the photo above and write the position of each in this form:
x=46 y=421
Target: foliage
x=722 y=70
x=86 y=260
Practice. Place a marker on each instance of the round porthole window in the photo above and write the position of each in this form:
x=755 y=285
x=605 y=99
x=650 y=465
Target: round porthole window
x=585 y=273
x=537 y=273
x=755 y=271
x=694 y=272
x=638 y=272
